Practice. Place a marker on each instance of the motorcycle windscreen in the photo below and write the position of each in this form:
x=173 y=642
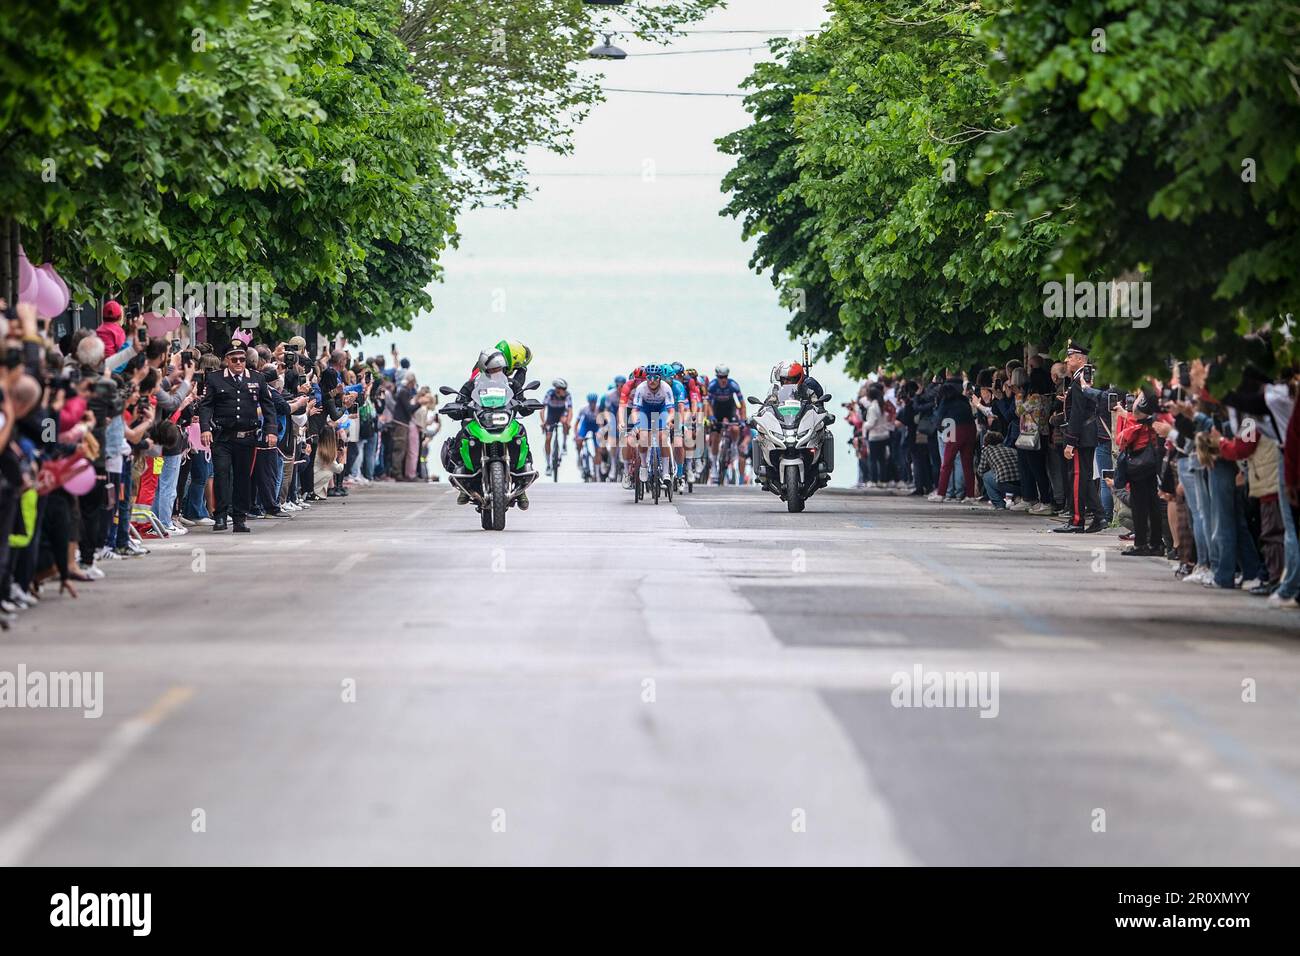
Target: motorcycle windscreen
x=788 y=403
x=492 y=392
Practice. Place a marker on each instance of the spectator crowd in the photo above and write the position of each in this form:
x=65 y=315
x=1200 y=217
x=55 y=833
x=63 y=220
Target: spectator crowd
x=106 y=445
x=1207 y=479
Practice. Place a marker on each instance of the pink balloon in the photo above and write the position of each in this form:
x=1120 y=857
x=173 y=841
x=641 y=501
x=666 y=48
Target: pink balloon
x=26 y=279
x=153 y=322
x=44 y=294
x=82 y=480
x=53 y=299
x=63 y=287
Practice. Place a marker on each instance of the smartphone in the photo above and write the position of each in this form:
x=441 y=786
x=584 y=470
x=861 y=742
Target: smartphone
x=1107 y=473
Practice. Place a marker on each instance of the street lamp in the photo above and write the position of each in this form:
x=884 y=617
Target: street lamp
x=607 y=50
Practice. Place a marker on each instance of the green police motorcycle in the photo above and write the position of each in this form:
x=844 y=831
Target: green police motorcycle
x=491 y=450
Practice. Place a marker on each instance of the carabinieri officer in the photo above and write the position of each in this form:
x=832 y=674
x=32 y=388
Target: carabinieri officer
x=1083 y=404
x=236 y=405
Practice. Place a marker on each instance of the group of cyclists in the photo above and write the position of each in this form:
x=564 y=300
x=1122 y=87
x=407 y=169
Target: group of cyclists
x=658 y=404
x=698 y=424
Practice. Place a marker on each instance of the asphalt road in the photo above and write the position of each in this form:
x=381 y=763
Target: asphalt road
x=708 y=682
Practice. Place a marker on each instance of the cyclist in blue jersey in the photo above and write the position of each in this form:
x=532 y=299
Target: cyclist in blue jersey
x=588 y=426
x=558 y=409
x=725 y=407
x=681 y=402
x=652 y=405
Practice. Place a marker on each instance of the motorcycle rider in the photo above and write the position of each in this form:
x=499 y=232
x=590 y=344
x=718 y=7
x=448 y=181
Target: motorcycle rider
x=494 y=364
x=793 y=373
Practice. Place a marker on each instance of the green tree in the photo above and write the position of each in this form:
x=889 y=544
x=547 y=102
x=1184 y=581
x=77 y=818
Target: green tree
x=509 y=75
x=1169 y=135
x=874 y=212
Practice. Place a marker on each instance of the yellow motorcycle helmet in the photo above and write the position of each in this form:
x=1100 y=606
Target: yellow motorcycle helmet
x=517 y=354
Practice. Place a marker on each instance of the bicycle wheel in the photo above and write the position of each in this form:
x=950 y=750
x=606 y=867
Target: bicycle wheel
x=656 y=483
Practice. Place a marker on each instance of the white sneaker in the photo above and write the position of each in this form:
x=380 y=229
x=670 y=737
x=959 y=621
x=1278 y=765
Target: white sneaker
x=205 y=522
x=185 y=521
x=107 y=554
x=934 y=496
x=135 y=547
x=20 y=597
x=177 y=529
x=1040 y=509
x=1275 y=600
x=1018 y=505
x=91 y=571
x=969 y=501
x=1247 y=585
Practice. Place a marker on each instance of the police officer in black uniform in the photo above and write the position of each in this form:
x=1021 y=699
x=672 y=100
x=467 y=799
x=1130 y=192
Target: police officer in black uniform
x=1083 y=404
x=236 y=406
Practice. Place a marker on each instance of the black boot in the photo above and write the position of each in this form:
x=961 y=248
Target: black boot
x=219 y=524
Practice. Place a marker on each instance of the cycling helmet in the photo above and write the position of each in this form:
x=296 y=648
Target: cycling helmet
x=692 y=373
x=678 y=368
x=560 y=383
x=620 y=379
x=654 y=371
x=788 y=373
x=638 y=374
x=492 y=361
x=722 y=371
x=592 y=397
x=517 y=354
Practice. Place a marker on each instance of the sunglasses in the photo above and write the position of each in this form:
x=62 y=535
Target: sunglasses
x=235 y=358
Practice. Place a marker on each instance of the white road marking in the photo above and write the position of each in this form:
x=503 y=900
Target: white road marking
x=25 y=831
x=350 y=562
x=1229 y=647
x=1046 y=642
x=1223 y=782
x=1254 y=807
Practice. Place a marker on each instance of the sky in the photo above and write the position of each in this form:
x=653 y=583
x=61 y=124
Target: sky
x=620 y=256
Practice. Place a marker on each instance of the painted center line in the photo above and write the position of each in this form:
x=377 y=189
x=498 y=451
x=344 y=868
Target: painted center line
x=25 y=831
x=350 y=562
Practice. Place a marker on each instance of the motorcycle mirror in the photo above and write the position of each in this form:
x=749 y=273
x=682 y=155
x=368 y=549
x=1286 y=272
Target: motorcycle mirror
x=825 y=398
x=753 y=401
x=447 y=390
x=532 y=385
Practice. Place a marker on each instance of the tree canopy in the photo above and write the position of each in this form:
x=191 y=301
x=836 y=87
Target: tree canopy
x=318 y=149
x=919 y=172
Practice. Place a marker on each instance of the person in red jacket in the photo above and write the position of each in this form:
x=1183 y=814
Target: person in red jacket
x=1133 y=435
x=110 y=329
